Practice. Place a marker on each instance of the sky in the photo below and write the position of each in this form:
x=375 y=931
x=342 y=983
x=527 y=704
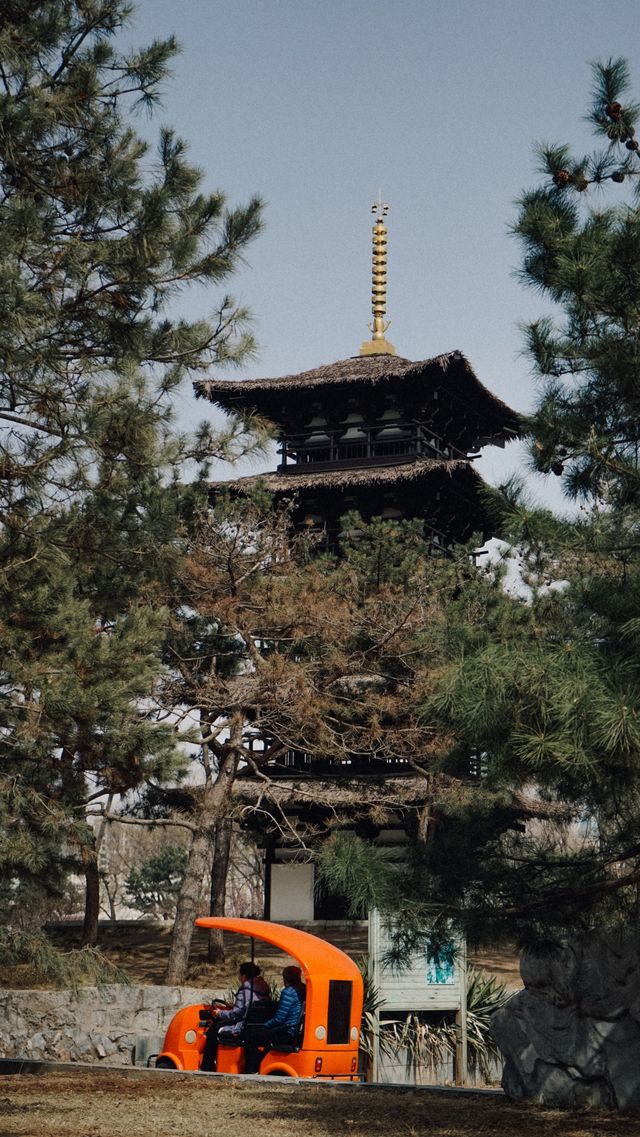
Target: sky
x=319 y=105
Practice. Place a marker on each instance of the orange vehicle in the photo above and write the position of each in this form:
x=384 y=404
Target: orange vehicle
x=326 y=1046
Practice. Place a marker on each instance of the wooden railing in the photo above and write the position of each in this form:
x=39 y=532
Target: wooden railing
x=335 y=450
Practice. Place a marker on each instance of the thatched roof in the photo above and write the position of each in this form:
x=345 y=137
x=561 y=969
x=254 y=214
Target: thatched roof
x=358 y=476
x=375 y=795
x=340 y=793
x=451 y=369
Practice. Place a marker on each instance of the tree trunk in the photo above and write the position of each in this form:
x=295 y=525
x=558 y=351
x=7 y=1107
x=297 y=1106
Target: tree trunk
x=219 y=871
x=91 y=900
x=111 y=901
x=215 y=805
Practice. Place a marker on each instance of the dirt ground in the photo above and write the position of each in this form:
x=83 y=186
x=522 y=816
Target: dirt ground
x=158 y=1104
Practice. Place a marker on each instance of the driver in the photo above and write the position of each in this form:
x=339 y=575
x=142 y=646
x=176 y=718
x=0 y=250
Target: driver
x=252 y=992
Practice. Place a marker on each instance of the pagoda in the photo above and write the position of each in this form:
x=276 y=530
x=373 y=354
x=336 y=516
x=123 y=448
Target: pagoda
x=390 y=438
x=376 y=433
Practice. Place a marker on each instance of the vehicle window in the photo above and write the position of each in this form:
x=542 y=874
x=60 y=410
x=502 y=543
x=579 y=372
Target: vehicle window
x=339 y=1016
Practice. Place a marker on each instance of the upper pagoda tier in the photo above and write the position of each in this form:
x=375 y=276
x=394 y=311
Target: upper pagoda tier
x=375 y=409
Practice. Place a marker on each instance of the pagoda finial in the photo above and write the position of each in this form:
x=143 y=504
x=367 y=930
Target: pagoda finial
x=378 y=344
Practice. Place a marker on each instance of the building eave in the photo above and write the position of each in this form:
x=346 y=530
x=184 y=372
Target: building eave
x=450 y=370
x=353 y=476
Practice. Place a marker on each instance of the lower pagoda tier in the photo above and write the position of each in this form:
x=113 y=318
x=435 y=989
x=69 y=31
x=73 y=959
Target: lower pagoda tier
x=446 y=495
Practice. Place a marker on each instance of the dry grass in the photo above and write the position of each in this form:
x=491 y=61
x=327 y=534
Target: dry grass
x=106 y=1104
x=141 y=952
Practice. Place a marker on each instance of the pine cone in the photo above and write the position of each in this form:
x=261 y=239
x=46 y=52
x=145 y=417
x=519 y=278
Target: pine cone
x=562 y=178
x=614 y=110
x=632 y=144
x=557 y=468
x=617 y=176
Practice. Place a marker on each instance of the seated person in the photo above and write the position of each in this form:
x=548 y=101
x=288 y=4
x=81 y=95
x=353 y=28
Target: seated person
x=251 y=994
x=280 y=1030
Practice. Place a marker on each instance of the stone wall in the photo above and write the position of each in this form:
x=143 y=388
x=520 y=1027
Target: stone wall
x=118 y=1024
x=571 y=1039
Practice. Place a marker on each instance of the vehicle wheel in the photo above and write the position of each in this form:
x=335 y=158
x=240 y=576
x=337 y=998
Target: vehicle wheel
x=165 y=1064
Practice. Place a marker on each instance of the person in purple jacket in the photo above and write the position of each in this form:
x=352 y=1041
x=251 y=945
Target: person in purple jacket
x=280 y=1030
x=252 y=994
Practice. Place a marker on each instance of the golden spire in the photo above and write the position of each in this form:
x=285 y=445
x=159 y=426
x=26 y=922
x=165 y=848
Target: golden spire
x=378 y=344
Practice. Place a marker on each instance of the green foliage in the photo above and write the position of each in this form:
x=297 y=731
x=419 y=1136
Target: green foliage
x=547 y=691
x=372 y=1002
x=27 y=900
x=585 y=259
x=485 y=996
x=71 y=715
x=98 y=235
x=346 y=865
x=153 y=888
x=381 y=552
x=533 y=691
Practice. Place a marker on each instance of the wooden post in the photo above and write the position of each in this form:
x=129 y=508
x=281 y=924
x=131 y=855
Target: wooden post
x=374 y=973
x=462 y=1063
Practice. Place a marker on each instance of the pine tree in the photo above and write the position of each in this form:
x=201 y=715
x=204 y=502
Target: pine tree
x=73 y=719
x=97 y=237
x=152 y=888
x=581 y=252
x=539 y=692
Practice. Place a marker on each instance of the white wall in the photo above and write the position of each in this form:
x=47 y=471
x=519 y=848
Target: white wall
x=291 y=892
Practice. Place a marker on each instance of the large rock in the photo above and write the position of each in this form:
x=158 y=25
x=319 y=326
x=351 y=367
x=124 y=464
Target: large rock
x=571 y=1038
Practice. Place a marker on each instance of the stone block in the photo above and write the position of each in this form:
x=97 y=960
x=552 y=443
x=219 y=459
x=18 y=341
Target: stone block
x=81 y=1049
x=610 y=954
x=146 y=1047
x=38 y=1043
x=147 y=1022
x=185 y=995
x=157 y=998
x=124 y=996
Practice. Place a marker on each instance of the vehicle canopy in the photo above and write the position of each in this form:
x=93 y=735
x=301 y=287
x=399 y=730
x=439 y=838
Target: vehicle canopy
x=333 y=981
